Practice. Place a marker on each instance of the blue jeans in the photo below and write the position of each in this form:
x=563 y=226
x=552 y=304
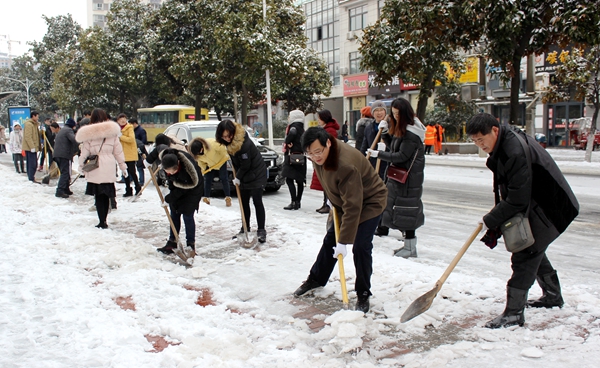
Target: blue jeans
x=223 y=176
x=190 y=226
x=361 y=251
x=141 y=177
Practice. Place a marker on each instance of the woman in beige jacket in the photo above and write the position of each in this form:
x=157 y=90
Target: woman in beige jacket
x=101 y=137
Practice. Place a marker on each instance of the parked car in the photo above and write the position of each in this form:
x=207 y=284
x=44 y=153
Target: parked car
x=187 y=131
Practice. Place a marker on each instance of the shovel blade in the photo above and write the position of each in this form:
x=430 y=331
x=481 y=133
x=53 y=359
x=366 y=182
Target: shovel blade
x=246 y=241
x=420 y=305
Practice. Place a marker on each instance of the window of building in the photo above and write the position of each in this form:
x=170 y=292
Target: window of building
x=357 y=18
x=322 y=31
x=98 y=6
x=354 y=62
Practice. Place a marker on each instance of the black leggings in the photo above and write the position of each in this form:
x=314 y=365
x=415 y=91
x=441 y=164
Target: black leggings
x=132 y=175
x=102 y=203
x=409 y=234
x=256 y=195
x=296 y=196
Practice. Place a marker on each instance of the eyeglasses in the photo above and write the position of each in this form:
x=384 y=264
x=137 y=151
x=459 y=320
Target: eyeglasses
x=316 y=153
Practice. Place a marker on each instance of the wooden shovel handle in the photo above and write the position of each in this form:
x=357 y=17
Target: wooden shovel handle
x=458 y=256
x=336 y=225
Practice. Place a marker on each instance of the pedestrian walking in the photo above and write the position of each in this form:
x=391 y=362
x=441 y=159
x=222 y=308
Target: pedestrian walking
x=101 y=137
x=15 y=145
x=31 y=143
x=130 y=151
x=65 y=148
x=294 y=163
x=404 y=141
x=345 y=131
x=359 y=196
x=327 y=122
x=212 y=158
x=526 y=180
x=250 y=170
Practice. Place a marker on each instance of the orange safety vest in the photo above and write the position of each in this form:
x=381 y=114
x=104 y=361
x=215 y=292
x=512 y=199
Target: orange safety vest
x=430 y=134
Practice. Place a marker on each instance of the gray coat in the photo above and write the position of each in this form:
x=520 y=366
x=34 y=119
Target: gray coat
x=65 y=145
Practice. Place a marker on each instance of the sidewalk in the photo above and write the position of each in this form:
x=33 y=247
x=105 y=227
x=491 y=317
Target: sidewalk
x=570 y=161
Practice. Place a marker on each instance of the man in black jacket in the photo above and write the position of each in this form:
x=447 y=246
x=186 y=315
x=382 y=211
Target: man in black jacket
x=552 y=207
x=65 y=147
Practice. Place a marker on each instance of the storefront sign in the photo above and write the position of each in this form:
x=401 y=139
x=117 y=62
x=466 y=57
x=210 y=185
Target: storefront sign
x=471 y=74
x=408 y=86
x=356 y=85
x=391 y=88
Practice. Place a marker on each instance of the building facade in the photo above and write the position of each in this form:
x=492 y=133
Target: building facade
x=97 y=10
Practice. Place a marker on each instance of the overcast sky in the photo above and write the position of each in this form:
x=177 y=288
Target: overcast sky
x=22 y=20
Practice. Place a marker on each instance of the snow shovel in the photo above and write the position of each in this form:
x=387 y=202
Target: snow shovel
x=336 y=224
x=179 y=250
x=422 y=303
x=53 y=173
x=137 y=196
x=245 y=241
x=373 y=146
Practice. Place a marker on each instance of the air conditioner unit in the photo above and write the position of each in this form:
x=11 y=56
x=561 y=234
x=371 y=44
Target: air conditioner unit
x=351 y=35
x=542 y=81
x=343 y=70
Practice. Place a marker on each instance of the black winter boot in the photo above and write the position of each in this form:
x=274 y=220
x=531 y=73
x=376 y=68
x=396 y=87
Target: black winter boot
x=551 y=292
x=262 y=235
x=324 y=208
x=362 y=304
x=513 y=313
x=168 y=248
x=382 y=230
x=291 y=206
x=306 y=286
x=128 y=192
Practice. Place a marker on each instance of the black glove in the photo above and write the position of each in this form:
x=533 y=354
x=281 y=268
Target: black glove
x=491 y=237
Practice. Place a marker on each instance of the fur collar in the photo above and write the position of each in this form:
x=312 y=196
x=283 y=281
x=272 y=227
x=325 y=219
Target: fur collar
x=102 y=130
x=186 y=165
x=238 y=140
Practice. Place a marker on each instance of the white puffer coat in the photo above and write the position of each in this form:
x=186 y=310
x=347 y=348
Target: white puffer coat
x=92 y=137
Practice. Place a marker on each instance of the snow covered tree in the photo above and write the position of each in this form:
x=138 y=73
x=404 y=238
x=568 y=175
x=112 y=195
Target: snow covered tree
x=412 y=39
x=579 y=72
x=450 y=110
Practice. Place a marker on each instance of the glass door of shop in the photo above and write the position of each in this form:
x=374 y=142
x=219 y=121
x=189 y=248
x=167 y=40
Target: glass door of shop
x=562 y=132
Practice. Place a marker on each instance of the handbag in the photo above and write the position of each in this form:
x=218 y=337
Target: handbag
x=400 y=174
x=517 y=230
x=91 y=162
x=297 y=159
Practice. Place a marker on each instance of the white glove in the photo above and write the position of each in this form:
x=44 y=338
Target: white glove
x=484 y=226
x=125 y=174
x=164 y=204
x=33 y=150
x=147 y=164
x=339 y=249
x=374 y=153
x=383 y=125
x=329 y=203
x=236 y=181
x=381 y=146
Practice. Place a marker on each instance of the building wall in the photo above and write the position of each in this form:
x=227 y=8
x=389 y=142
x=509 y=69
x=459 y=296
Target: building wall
x=97 y=10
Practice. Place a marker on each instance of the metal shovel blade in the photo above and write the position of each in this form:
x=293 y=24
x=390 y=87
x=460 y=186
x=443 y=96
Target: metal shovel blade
x=246 y=241
x=421 y=304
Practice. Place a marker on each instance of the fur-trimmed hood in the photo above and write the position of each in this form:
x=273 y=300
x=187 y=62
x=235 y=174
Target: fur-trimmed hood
x=238 y=140
x=186 y=164
x=107 y=129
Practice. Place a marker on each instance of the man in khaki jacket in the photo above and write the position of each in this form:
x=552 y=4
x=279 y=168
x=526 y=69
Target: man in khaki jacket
x=31 y=143
x=359 y=195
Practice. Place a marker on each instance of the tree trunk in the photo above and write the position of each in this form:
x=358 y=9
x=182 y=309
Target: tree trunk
x=121 y=100
x=592 y=134
x=198 y=106
x=424 y=94
x=515 y=84
x=235 y=104
x=244 y=105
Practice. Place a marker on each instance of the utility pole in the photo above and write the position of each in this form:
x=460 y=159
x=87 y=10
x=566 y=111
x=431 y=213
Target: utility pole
x=27 y=84
x=268 y=80
x=9 y=42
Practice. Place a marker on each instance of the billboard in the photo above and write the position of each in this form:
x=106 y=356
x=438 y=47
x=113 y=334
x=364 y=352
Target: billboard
x=18 y=115
x=356 y=85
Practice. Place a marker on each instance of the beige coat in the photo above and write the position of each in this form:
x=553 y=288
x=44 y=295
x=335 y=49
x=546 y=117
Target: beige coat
x=31 y=136
x=92 y=137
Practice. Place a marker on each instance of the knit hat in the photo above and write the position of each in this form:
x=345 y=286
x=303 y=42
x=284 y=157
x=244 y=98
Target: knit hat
x=377 y=105
x=366 y=111
x=70 y=123
x=296 y=115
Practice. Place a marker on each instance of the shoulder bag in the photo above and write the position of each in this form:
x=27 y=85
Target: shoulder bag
x=297 y=159
x=517 y=230
x=91 y=162
x=400 y=174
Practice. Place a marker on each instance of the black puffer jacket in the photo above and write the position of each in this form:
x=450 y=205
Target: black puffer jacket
x=548 y=189
x=249 y=165
x=294 y=136
x=186 y=185
x=404 y=210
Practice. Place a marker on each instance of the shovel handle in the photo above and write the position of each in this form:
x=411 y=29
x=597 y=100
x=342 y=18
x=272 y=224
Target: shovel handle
x=162 y=200
x=145 y=185
x=239 y=196
x=458 y=256
x=375 y=141
x=336 y=225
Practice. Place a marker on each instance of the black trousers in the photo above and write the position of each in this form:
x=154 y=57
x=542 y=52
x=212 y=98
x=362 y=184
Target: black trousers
x=132 y=171
x=64 y=165
x=256 y=195
x=361 y=251
x=295 y=194
x=18 y=159
x=31 y=164
x=532 y=261
x=102 y=202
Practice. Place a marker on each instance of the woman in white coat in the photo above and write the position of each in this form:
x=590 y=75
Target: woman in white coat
x=101 y=137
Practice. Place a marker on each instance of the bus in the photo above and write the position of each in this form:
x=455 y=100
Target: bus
x=156 y=119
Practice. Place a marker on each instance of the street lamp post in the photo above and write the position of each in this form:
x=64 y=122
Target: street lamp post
x=27 y=85
x=268 y=81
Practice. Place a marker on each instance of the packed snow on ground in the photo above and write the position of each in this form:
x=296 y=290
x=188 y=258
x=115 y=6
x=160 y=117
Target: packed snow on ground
x=64 y=282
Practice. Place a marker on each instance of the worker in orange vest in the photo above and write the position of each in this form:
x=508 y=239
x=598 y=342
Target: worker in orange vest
x=437 y=148
x=430 y=134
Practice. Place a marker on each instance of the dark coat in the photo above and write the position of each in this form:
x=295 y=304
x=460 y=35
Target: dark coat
x=552 y=197
x=140 y=133
x=371 y=131
x=142 y=152
x=404 y=210
x=294 y=136
x=361 y=124
x=50 y=137
x=186 y=186
x=65 y=145
x=249 y=165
